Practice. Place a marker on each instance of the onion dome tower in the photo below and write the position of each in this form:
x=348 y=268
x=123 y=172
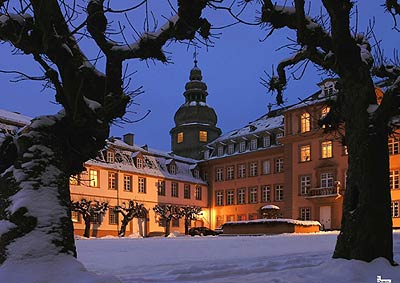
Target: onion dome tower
x=195 y=121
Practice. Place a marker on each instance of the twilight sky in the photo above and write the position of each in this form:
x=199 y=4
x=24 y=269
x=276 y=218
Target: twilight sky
x=231 y=69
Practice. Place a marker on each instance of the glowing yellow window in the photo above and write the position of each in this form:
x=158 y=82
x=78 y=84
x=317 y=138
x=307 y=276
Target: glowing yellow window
x=325 y=111
x=93 y=178
x=305 y=121
x=179 y=137
x=326 y=148
x=203 y=136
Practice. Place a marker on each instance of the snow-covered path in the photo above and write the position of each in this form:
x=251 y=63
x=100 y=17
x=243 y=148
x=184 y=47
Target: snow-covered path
x=283 y=258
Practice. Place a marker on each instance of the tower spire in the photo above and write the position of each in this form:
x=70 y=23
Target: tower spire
x=195 y=56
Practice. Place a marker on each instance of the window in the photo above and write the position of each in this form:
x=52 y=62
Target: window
x=345 y=150
x=278 y=192
x=242 y=146
x=242 y=171
x=220 y=150
x=95 y=218
x=141 y=185
x=112 y=180
x=219 y=175
x=305 y=184
x=326 y=149
x=230 y=172
x=241 y=217
x=279 y=165
x=266 y=141
x=394 y=179
x=230 y=218
x=395 y=209
x=206 y=154
x=231 y=148
x=198 y=193
x=326 y=180
x=112 y=216
x=230 y=197
x=172 y=169
x=174 y=190
x=394 y=146
x=203 y=136
x=253 y=216
x=175 y=222
x=241 y=196
x=139 y=163
x=74 y=180
x=265 y=194
x=305 y=213
x=253 y=192
x=219 y=220
x=266 y=167
x=179 y=137
x=196 y=173
x=305 y=122
x=75 y=216
x=305 y=153
x=219 y=198
x=93 y=178
x=325 y=110
x=110 y=157
x=329 y=90
x=253 y=144
x=186 y=191
x=253 y=169
x=128 y=183
x=161 y=187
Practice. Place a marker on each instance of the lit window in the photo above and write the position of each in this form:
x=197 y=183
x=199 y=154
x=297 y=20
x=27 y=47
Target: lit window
x=203 y=136
x=112 y=216
x=161 y=187
x=220 y=150
x=326 y=149
x=266 y=141
x=220 y=198
x=394 y=179
x=93 y=178
x=141 y=185
x=305 y=153
x=230 y=197
x=128 y=183
x=75 y=216
x=230 y=172
x=241 y=196
x=110 y=157
x=305 y=122
x=186 y=191
x=279 y=165
x=305 y=213
x=278 y=192
x=242 y=171
x=395 y=209
x=242 y=146
x=253 y=192
x=266 y=167
x=219 y=174
x=326 y=180
x=394 y=146
x=231 y=148
x=174 y=190
x=265 y=193
x=325 y=110
x=253 y=144
x=112 y=180
x=253 y=169
x=74 y=180
x=198 y=193
x=305 y=184
x=179 y=138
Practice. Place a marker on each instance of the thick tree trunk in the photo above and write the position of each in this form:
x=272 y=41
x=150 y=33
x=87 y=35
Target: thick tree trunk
x=187 y=224
x=366 y=231
x=35 y=196
x=123 y=227
x=87 y=228
x=167 y=227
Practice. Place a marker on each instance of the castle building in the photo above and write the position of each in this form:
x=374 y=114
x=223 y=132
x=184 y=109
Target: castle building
x=195 y=121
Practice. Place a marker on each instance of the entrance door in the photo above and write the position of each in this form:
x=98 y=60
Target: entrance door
x=325 y=217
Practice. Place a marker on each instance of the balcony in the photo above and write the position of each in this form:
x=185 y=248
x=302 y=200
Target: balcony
x=324 y=192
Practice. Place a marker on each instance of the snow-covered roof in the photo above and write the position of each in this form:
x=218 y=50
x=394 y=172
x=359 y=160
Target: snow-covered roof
x=279 y=220
x=13 y=118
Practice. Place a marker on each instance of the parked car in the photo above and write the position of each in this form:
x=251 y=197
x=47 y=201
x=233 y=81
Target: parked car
x=202 y=231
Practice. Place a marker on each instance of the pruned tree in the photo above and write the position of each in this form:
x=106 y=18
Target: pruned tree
x=128 y=212
x=89 y=210
x=189 y=213
x=329 y=42
x=166 y=213
x=37 y=162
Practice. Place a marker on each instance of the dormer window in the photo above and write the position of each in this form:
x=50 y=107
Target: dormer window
x=206 y=154
x=203 y=136
x=253 y=144
x=172 y=168
x=242 y=146
x=231 y=148
x=179 y=138
x=196 y=173
x=220 y=150
x=110 y=157
x=329 y=90
x=266 y=141
x=139 y=163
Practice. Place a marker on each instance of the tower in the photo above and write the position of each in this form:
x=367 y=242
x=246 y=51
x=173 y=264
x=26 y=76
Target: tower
x=195 y=121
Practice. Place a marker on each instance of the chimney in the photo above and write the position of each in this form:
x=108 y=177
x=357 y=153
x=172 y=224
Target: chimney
x=128 y=138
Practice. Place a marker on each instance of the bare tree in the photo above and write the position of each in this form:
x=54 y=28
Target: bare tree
x=89 y=210
x=189 y=213
x=36 y=164
x=329 y=42
x=166 y=214
x=130 y=211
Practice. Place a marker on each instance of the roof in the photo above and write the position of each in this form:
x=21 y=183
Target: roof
x=14 y=118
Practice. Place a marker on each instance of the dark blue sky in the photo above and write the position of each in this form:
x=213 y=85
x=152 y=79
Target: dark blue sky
x=231 y=69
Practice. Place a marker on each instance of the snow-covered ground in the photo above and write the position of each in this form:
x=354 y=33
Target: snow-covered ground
x=293 y=258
